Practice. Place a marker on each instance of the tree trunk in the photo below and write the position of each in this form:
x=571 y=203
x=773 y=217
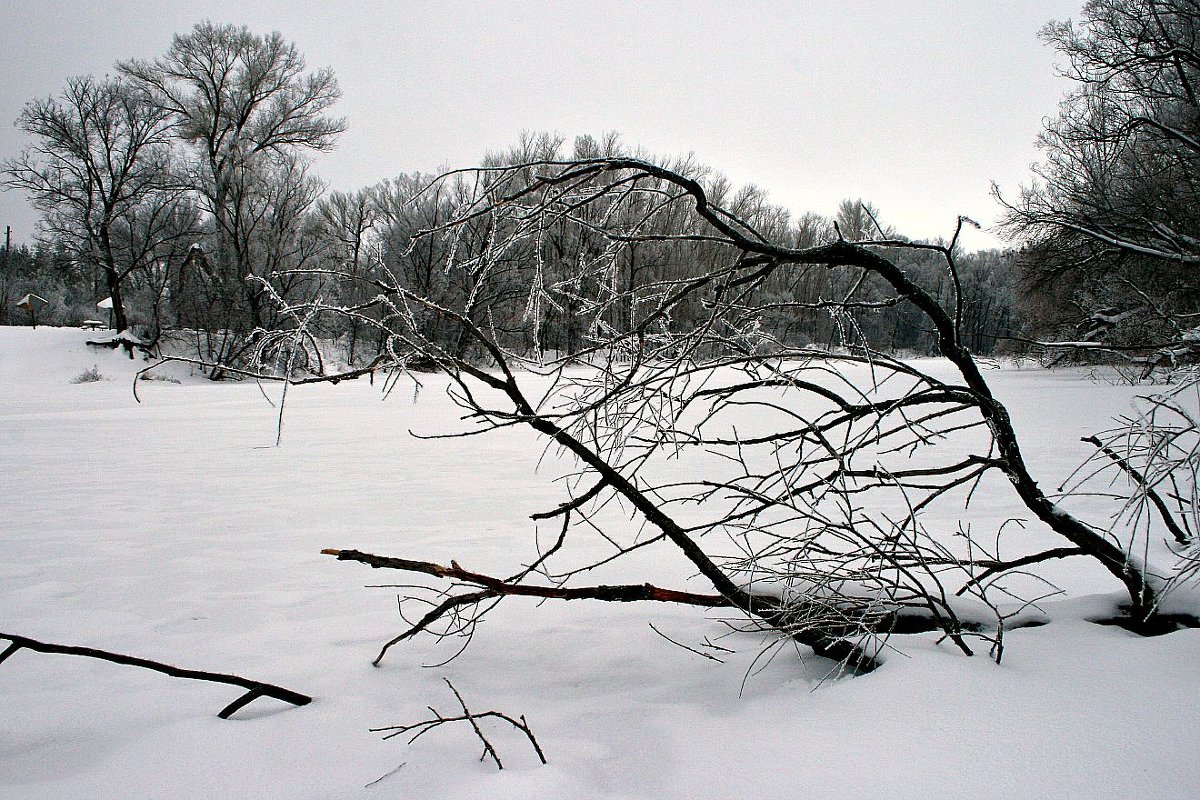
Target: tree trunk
x=113 y=278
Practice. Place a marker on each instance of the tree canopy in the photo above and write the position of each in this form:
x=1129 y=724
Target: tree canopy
x=1111 y=222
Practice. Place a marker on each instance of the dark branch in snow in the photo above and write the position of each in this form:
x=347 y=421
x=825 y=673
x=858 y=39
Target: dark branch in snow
x=255 y=689
x=492 y=587
x=624 y=593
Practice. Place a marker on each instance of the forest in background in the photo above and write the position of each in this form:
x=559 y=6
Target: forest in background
x=181 y=188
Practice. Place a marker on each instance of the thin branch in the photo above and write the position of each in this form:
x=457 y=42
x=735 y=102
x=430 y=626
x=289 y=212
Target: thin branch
x=255 y=689
x=1165 y=513
x=1036 y=558
x=470 y=717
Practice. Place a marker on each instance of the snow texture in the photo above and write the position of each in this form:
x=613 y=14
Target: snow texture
x=174 y=530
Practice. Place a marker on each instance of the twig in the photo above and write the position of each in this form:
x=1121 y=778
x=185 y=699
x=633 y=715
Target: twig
x=424 y=726
x=574 y=503
x=700 y=653
x=387 y=774
x=433 y=616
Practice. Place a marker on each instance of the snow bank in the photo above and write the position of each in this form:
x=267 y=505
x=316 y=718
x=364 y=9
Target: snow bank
x=173 y=530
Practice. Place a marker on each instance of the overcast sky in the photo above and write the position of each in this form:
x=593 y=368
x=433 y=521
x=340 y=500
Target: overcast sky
x=914 y=105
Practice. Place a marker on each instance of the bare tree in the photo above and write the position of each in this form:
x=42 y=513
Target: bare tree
x=1109 y=225
x=345 y=222
x=246 y=109
x=100 y=172
x=159 y=235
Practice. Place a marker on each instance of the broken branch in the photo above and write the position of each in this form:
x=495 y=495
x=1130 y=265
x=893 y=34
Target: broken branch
x=622 y=593
x=468 y=716
x=832 y=647
x=255 y=689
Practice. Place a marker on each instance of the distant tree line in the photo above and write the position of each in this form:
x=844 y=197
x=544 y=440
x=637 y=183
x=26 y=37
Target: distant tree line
x=50 y=273
x=180 y=187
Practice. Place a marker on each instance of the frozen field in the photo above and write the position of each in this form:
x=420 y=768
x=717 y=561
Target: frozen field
x=175 y=530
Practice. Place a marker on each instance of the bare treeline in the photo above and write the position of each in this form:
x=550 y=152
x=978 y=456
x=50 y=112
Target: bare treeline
x=183 y=186
x=378 y=230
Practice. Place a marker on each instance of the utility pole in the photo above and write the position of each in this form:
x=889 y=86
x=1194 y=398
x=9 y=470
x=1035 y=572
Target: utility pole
x=4 y=272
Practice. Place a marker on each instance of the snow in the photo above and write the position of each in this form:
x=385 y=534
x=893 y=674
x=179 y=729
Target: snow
x=174 y=530
x=1083 y=344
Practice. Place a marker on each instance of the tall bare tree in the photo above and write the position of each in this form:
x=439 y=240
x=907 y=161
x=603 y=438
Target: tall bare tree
x=247 y=110
x=99 y=170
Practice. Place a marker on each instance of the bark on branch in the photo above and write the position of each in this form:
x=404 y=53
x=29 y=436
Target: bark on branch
x=764 y=607
x=621 y=593
x=255 y=689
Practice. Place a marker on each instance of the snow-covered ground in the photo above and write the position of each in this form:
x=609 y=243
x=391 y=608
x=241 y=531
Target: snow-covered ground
x=175 y=530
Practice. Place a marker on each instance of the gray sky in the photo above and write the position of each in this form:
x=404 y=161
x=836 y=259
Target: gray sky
x=914 y=105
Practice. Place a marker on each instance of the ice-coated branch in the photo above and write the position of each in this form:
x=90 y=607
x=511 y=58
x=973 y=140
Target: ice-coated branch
x=1164 y=513
x=767 y=607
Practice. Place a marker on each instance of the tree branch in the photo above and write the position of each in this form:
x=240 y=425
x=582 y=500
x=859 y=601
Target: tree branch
x=255 y=689
x=1165 y=513
x=1005 y=566
x=622 y=593
x=470 y=717
x=765 y=607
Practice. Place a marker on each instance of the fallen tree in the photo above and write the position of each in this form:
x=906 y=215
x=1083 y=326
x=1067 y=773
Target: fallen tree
x=795 y=481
